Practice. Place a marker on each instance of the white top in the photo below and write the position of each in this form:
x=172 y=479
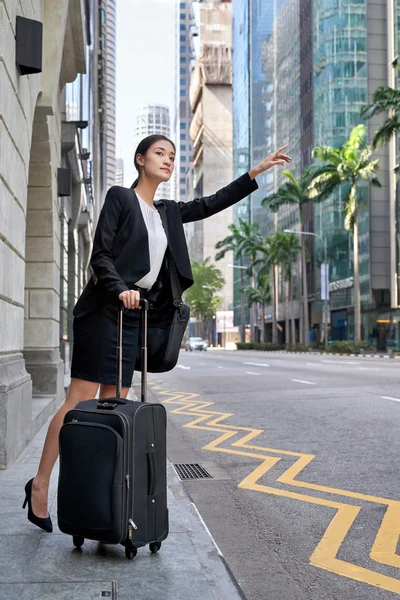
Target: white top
x=157 y=243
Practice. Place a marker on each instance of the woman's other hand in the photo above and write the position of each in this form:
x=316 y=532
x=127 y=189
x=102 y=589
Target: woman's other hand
x=272 y=160
x=130 y=298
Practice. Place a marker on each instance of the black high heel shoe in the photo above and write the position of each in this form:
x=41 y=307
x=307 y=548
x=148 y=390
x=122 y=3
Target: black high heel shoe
x=46 y=523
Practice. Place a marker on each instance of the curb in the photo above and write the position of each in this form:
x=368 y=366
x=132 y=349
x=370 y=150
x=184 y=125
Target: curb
x=311 y=353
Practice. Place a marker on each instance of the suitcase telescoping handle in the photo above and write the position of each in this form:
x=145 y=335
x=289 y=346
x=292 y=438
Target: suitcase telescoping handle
x=144 y=305
x=105 y=403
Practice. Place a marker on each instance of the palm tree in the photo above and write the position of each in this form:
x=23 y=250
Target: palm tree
x=201 y=296
x=242 y=241
x=384 y=100
x=289 y=251
x=272 y=256
x=348 y=165
x=260 y=295
x=295 y=191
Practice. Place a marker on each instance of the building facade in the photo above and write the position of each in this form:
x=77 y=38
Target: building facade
x=119 y=172
x=154 y=119
x=108 y=23
x=211 y=131
x=347 y=49
x=186 y=31
x=50 y=192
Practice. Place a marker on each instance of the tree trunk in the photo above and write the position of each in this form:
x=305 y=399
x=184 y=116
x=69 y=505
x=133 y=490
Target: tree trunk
x=287 y=333
x=242 y=336
x=357 y=299
x=300 y=300
x=274 y=311
x=263 y=322
x=252 y=308
x=291 y=309
x=306 y=326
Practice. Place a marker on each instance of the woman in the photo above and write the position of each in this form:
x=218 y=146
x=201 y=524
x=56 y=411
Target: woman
x=127 y=261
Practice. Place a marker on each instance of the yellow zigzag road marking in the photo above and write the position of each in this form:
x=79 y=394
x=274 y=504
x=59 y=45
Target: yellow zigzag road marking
x=324 y=556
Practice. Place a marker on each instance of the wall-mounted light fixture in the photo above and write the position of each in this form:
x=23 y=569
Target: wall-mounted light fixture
x=29 y=46
x=64 y=182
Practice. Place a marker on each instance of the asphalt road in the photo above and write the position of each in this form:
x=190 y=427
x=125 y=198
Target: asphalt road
x=304 y=499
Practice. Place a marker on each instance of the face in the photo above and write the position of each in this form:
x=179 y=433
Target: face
x=158 y=162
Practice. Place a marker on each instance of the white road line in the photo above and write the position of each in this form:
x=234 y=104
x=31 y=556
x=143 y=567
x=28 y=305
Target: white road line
x=302 y=381
x=203 y=364
x=315 y=364
x=366 y=369
x=254 y=364
x=183 y=367
x=251 y=373
x=390 y=398
x=340 y=362
x=220 y=367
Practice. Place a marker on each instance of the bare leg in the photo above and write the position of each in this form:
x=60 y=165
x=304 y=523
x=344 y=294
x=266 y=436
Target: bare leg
x=109 y=391
x=78 y=390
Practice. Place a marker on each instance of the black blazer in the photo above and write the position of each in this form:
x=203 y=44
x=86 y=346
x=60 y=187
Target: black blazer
x=120 y=255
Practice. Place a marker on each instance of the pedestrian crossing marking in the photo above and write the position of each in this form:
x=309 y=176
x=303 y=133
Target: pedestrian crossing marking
x=384 y=548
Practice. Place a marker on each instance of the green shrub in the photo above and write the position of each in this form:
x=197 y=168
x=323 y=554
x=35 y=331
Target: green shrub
x=350 y=347
x=265 y=346
x=296 y=348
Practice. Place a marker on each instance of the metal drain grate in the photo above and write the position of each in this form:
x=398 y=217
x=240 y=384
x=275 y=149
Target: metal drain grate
x=192 y=471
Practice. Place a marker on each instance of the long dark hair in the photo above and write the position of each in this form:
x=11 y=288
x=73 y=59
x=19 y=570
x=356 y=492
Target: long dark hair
x=144 y=146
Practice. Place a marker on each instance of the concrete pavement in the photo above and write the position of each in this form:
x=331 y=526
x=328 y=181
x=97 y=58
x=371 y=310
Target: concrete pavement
x=37 y=565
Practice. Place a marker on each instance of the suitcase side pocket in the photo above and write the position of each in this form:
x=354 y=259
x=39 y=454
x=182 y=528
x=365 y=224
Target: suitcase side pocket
x=91 y=482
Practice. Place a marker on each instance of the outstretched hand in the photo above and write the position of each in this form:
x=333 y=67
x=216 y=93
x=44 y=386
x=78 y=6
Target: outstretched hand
x=272 y=160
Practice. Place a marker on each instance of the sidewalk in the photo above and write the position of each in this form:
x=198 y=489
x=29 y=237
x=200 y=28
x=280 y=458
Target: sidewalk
x=38 y=565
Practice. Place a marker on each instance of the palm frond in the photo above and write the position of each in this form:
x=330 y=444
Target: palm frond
x=368 y=171
x=327 y=155
x=384 y=98
x=385 y=133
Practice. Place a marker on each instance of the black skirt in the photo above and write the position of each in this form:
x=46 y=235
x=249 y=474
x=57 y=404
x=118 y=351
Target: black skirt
x=94 y=354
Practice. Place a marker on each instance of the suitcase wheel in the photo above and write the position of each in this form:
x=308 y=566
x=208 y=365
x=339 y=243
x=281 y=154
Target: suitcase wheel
x=78 y=541
x=130 y=552
x=154 y=547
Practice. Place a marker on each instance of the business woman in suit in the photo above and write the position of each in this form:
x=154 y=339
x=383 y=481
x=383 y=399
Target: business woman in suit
x=128 y=260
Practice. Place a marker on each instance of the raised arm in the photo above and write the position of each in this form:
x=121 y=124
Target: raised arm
x=201 y=208
x=102 y=258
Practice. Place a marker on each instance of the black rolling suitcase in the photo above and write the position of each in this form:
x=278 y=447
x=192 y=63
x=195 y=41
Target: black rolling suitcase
x=112 y=484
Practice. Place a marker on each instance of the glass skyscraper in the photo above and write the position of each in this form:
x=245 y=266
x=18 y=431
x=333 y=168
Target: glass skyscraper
x=302 y=70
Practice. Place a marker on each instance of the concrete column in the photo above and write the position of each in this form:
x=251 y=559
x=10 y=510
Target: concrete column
x=382 y=199
x=42 y=276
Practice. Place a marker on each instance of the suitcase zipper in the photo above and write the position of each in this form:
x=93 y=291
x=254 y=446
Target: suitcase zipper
x=132 y=525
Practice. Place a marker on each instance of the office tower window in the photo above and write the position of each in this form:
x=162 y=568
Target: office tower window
x=183 y=148
x=183 y=92
x=182 y=38
x=182 y=191
x=183 y=125
x=183 y=136
x=183 y=169
x=183 y=27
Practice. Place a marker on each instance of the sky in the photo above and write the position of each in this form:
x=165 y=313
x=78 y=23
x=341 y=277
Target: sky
x=145 y=68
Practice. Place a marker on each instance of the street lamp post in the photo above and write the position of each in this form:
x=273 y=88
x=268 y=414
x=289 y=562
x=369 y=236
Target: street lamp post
x=325 y=279
x=242 y=324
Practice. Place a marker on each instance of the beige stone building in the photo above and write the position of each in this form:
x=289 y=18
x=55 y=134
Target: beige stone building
x=211 y=132
x=45 y=231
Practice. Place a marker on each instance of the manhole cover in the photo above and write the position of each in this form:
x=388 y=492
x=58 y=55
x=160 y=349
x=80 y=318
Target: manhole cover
x=191 y=471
